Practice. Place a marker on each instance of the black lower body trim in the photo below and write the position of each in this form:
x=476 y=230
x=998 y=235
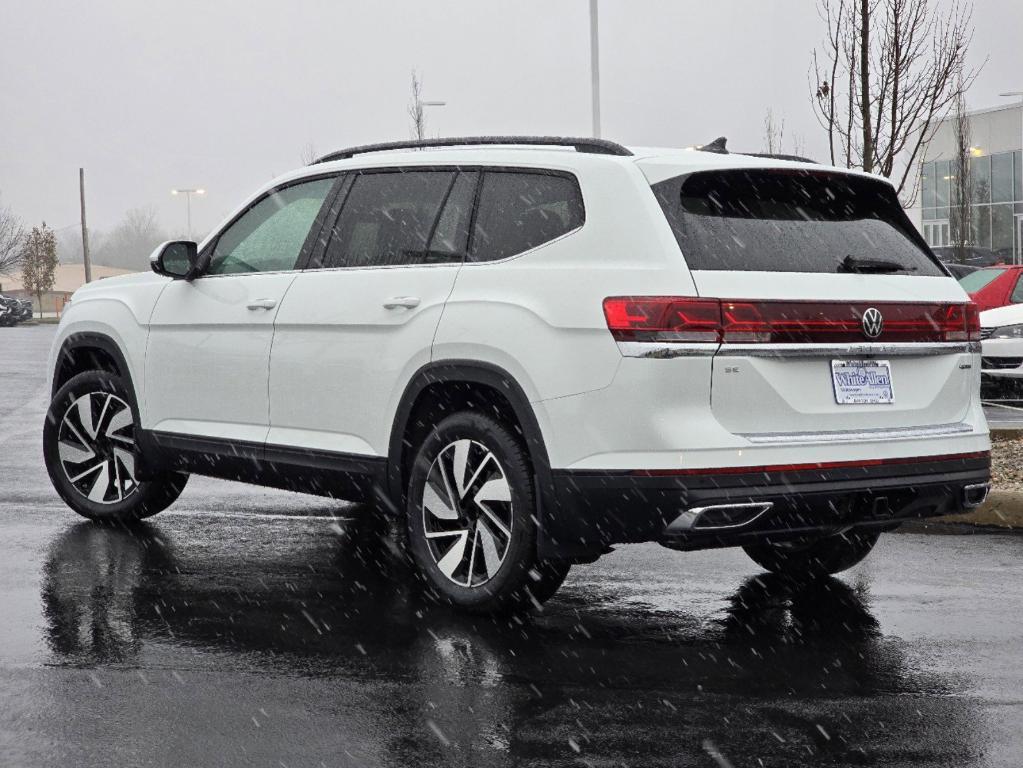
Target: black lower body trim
x=323 y=473
x=598 y=509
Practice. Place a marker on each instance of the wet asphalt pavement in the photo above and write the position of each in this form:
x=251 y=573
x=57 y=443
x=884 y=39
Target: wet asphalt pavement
x=255 y=627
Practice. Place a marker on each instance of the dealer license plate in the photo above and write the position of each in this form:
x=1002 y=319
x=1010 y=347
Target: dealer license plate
x=861 y=382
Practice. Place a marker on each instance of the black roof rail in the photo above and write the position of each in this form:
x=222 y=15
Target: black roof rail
x=589 y=146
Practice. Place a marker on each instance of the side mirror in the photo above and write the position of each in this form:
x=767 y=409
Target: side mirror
x=176 y=258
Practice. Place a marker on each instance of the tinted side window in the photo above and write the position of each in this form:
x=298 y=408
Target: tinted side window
x=1017 y=292
x=388 y=218
x=518 y=211
x=269 y=236
x=451 y=235
x=974 y=281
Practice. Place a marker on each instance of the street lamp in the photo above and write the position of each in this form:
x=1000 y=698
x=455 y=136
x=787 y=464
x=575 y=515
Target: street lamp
x=421 y=104
x=595 y=68
x=188 y=203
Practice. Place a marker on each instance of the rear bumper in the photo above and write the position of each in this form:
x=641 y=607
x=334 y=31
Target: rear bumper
x=598 y=509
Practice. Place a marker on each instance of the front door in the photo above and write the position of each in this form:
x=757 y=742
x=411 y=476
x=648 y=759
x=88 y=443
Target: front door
x=350 y=335
x=209 y=343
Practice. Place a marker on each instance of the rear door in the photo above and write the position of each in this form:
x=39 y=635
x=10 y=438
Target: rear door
x=835 y=317
x=354 y=328
x=209 y=343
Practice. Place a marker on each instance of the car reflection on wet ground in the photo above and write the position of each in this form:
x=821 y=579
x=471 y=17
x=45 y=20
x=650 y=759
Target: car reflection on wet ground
x=214 y=639
x=251 y=627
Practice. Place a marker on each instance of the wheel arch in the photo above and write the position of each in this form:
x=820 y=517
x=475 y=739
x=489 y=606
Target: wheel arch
x=89 y=351
x=475 y=374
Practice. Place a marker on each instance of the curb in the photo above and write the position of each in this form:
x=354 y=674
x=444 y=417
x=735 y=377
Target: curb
x=1003 y=510
x=1005 y=435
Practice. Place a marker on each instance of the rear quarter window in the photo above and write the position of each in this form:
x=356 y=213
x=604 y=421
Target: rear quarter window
x=773 y=220
x=518 y=211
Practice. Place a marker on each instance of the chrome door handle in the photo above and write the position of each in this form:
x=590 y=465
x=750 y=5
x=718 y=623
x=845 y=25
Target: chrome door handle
x=408 y=302
x=262 y=304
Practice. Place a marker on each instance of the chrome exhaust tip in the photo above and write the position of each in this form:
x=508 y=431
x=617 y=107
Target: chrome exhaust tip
x=717 y=517
x=975 y=495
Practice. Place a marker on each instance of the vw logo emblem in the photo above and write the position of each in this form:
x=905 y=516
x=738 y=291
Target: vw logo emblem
x=873 y=323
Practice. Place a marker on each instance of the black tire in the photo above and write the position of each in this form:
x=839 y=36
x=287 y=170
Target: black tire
x=117 y=497
x=821 y=557
x=492 y=459
x=545 y=579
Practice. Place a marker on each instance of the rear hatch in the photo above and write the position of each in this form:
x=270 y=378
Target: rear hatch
x=835 y=317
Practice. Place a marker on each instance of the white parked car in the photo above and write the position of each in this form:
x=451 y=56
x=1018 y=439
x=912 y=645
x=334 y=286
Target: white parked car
x=1002 y=334
x=534 y=349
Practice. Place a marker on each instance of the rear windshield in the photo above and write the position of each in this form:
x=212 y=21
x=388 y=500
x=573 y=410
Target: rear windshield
x=974 y=281
x=791 y=221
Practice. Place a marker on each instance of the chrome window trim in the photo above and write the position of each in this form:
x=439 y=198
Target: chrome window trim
x=856 y=435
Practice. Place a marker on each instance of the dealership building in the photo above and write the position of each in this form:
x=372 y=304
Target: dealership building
x=996 y=136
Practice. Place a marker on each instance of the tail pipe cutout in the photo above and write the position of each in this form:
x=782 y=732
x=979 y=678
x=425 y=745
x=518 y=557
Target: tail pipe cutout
x=718 y=517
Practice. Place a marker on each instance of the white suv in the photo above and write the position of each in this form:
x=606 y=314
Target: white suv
x=533 y=349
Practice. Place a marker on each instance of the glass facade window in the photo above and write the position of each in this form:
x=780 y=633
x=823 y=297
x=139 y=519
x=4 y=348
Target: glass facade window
x=1002 y=225
x=927 y=186
x=1017 y=165
x=1001 y=178
x=941 y=179
x=997 y=203
x=982 y=226
x=980 y=169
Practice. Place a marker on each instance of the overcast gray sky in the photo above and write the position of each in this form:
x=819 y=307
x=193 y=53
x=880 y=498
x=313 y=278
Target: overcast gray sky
x=225 y=95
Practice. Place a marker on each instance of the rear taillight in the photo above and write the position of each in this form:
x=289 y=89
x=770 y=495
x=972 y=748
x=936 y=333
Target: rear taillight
x=663 y=318
x=972 y=322
x=674 y=318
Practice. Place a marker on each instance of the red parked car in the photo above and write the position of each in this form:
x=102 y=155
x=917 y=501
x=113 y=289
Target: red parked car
x=992 y=287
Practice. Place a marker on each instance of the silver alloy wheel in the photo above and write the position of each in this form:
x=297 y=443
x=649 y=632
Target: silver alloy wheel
x=96 y=445
x=467 y=513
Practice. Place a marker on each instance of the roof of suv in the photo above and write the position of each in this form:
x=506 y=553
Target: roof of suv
x=657 y=163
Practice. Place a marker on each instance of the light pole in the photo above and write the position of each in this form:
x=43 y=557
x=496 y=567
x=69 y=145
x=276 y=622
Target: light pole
x=595 y=68
x=421 y=104
x=188 y=203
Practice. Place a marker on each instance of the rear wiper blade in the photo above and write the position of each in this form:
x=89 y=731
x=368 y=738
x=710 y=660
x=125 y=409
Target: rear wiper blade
x=863 y=265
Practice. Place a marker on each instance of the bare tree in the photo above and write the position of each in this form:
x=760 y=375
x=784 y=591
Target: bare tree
x=774 y=133
x=308 y=154
x=126 y=246
x=39 y=262
x=960 y=218
x=798 y=145
x=888 y=72
x=12 y=234
x=415 y=108
x=130 y=243
x=774 y=137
